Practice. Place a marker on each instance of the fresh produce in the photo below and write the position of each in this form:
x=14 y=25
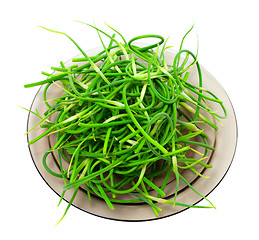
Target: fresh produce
x=126 y=117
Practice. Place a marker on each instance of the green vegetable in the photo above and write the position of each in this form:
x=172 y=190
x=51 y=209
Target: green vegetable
x=126 y=117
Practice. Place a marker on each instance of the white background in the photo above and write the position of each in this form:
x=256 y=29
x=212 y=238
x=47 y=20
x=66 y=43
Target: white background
x=228 y=37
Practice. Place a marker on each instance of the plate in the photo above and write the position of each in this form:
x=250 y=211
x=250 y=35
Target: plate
x=224 y=140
